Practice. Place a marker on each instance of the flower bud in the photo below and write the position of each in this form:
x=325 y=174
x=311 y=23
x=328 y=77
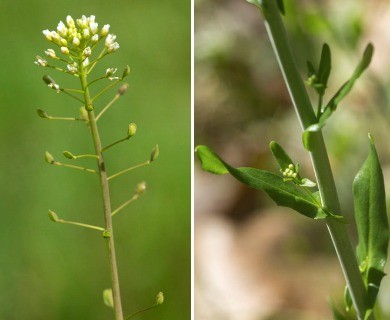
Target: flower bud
x=141 y=187
x=87 y=51
x=40 y=61
x=154 y=154
x=53 y=216
x=64 y=50
x=50 y=53
x=123 y=88
x=68 y=155
x=49 y=158
x=42 y=113
x=108 y=298
x=47 y=34
x=47 y=79
x=76 y=41
x=105 y=30
x=106 y=234
x=131 y=130
x=110 y=72
x=159 y=298
x=95 y=38
x=126 y=72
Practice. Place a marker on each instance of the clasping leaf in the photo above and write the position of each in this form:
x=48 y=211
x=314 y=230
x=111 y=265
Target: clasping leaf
x=372 y=223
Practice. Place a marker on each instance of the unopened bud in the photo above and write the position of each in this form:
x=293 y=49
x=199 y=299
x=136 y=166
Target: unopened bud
x=83 y=113
x=154 y=154
x=126 y=72
x=141 y=187
x=53 y=216
x=159 y=298
x=42 y=113
x=108 y=298
x=131 y=130
x=106 y=234
x=48 y=80
x=122 y=90
x=49 y=158
x=68 y=155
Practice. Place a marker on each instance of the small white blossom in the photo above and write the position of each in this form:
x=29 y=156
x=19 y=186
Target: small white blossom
x=110 y=72
x=70 y=22
x=72 y=68
x=64 y=50
x=110 y=40
x=50 y=53
x=113 y=78
x=91 y=18
x=105 y=30
x=55 y=36
x=76 y=41
x=95 y=38
x=86 y=62
x=94 y=27
x=86 y=33
x=47 y=34
x=54 y=86
x=87 y=51
x=41 y=62
x=113 y=47
x=61 y=28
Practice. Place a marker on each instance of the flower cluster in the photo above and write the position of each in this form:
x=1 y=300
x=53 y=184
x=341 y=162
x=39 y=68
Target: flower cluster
x=290 y=171
x=76 y=39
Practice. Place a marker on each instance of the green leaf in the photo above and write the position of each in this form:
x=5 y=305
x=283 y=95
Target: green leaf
x=347 y=86
x=347 y=299
x=283 y=193
x=281 y=6
x=280 y=155
x=371 y=221
x=257 y=3
x=337 y=315
x=324 y=68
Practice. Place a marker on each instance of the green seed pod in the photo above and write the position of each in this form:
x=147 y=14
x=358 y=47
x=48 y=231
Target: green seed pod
x=141 y=187
x=159 y=298
x=122 y=90
x=131 y=130
x=154 y=154
x=42 y=114
x=126 y=72
x=53 y=216
x=48 y=80
x=108 y=298
x=49 y=158
x=68 y=155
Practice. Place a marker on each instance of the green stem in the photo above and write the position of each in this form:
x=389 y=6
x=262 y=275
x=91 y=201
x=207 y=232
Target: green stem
x=128 y=169
x=106 y=195
x=117 y=96
x=277 y=34
x=79 y=224
x=140 y=311
x=114 y=143
x=56 y=163
x=133 y=198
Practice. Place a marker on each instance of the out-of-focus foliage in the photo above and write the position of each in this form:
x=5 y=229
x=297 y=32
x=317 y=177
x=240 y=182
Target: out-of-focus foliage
x=54 y=271
x=241 y=104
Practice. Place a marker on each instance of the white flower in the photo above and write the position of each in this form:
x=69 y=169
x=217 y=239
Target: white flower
x=47 y=34
x=105 y=30
x=54 y=86
x=113 y=47
x=110 y=72
x=61 y=28
x=86 y=33
x=55 y=36
x=110 y=39
x=113 y=78
x=72 y=68
x=94 y=27
x=91 y=18
x=40 y=62
x=70 y=22
x=50 y=53
x=64 y=50
x=87 y=51
x=76 y=41
x=86 y=62
x=95 y=38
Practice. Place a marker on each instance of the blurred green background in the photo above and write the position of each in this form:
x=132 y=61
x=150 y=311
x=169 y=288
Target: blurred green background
x=273 y=263
x=55 y=271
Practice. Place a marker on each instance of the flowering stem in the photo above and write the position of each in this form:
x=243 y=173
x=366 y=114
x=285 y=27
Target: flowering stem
x=321 y=165
x=106 y=195
x=123 y=205
x=117 y=96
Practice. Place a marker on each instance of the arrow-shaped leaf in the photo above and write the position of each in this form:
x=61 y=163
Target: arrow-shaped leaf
x=371 y=221
x=283 y=193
